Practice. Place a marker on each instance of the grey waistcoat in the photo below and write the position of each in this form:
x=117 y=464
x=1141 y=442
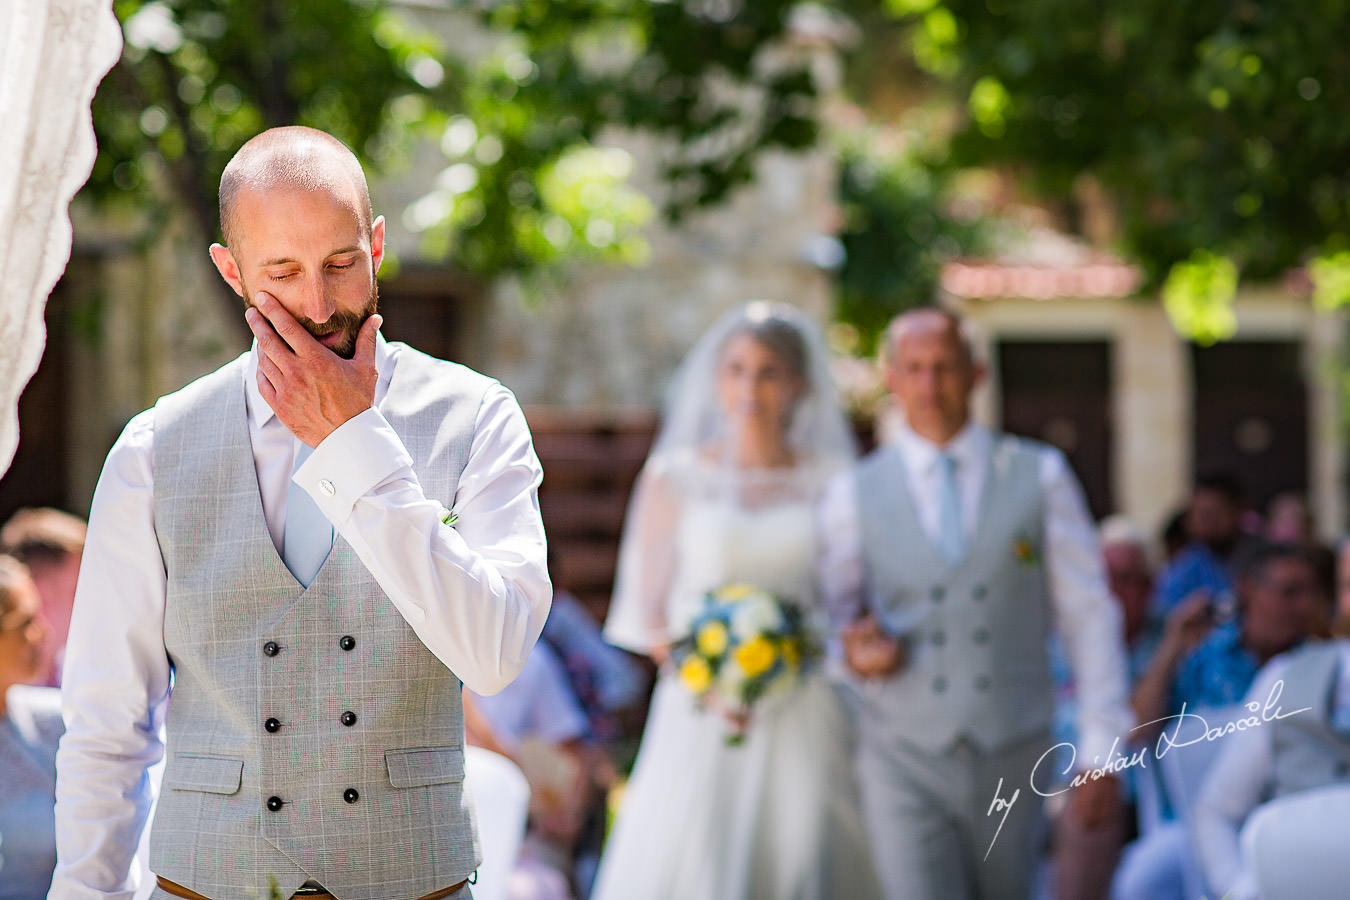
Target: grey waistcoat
x=1308 y=752
x=266 y=671
x=975 y=629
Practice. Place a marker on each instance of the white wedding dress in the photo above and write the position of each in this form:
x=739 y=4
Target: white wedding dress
x=777 y=816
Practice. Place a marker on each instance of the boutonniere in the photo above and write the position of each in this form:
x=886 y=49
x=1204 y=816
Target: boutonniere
x=1026 y=552
x=450 y=517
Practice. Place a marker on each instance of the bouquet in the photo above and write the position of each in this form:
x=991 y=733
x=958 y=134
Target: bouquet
x=742 y=646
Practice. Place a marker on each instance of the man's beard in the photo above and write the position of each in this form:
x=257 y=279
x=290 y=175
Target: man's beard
x=349 y=323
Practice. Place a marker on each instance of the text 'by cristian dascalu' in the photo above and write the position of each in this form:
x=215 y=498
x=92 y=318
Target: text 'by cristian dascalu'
x=1259 y=714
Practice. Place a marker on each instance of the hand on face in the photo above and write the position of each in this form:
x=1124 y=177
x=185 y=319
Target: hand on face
x=310 y=388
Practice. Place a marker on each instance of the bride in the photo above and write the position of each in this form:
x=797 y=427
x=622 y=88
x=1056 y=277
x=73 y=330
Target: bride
x=752 y=432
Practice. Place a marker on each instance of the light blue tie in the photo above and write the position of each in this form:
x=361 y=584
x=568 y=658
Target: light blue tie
x=308 y=534
x=951 y=536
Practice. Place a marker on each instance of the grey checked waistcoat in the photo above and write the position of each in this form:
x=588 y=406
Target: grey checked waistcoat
x=1309 y=753
x=976 y=628
x=267 y=774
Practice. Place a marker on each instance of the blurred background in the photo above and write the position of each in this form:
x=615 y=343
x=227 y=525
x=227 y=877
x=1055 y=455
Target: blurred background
x=1144 y=206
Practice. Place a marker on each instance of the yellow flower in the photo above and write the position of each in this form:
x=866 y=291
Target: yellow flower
x=756 y=656
x=696 y=674
x=711 y=639
x=792 y=656
x=734 y=592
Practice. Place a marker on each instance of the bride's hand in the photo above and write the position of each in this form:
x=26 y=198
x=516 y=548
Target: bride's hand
x=737 y=718
x=869 y=651
x=660 y=654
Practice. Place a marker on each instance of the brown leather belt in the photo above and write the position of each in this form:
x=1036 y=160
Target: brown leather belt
x=178 y=890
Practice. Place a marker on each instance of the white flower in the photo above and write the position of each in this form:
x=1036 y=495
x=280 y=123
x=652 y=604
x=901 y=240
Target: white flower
x=755 y=615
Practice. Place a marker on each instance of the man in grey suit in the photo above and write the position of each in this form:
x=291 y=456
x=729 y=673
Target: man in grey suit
x=292 y=565
x=948 y=554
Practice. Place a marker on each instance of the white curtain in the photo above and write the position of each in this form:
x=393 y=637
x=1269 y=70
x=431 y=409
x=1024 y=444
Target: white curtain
x=53 y=53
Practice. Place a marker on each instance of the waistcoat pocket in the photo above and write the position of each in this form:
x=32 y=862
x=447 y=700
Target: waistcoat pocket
x=424 y=765
x=213 y=774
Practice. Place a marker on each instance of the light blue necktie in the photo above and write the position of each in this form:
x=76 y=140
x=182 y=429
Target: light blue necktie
x=951 y=536
x=308 y=534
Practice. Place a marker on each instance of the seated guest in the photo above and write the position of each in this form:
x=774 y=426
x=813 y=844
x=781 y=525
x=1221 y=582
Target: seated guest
x=50 y=543
x=1290 y=521
x=1277 y=605
x=31 y=729
x=605 y=679
x=537 y=722
x=1202 y=666
x=1302 y=751
x=1085 y=858
x=608 y=683
x=1216 y=539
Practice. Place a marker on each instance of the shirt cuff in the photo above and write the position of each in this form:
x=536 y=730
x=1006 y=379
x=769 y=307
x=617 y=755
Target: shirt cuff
x=356 y=457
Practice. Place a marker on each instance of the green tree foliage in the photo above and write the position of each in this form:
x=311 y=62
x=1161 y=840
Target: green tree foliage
x=519 y=116
x=1216 y=127
x=198 y=77
x=897 y=234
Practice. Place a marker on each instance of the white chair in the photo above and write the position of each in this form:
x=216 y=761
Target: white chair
x=1295 y=845
x=501 y=798
x=1183 y=770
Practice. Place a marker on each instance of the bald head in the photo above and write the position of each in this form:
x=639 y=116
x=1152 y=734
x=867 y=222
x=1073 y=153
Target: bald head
x=294 y=158
x=929 y=321
x=931 y=370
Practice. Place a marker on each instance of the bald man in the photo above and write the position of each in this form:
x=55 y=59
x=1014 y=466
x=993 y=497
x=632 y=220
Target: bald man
x=947 y=556
x=292 y=565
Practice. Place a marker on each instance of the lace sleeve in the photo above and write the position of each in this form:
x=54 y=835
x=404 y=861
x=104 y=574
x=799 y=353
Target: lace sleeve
x=647 y=557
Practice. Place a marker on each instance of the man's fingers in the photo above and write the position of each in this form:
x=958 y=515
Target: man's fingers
x=265 y=388
x=365 y=340
x=267 y=368
x=268 y=341
x=291 y=331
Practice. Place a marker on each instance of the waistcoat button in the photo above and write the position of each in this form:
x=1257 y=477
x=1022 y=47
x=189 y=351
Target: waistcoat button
x=347 y=642
x=980 y=592
x=349 y=718
x=981 y=635
x=350 y=795
x=274 y=803
x=938 y=593
x=982 y=683
x=939 y=638
x=272 y=726
x=939 y=684
x=271 y=648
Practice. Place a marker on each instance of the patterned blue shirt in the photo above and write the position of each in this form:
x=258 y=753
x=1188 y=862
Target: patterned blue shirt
x=1216 y=673
x=1194 y=568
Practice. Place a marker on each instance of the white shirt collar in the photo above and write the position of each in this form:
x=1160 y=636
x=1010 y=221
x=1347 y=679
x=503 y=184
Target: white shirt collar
x=969 y=446
x=260 y=413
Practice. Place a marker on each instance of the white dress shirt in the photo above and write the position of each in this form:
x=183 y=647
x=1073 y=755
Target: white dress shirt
x=476 y=594
x=1087 y=618
x=1241 y=780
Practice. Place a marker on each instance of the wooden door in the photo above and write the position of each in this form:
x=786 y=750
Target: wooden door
x=1060 y=392
x=1251 y=415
